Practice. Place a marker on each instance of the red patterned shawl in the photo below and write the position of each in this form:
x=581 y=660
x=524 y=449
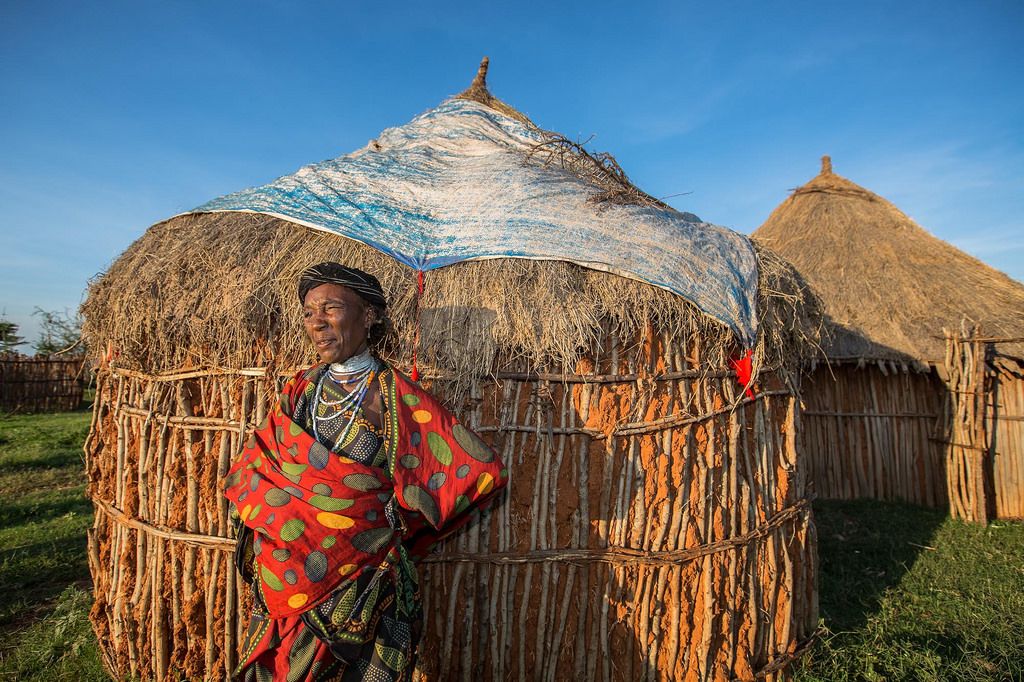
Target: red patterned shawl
x=319 y=517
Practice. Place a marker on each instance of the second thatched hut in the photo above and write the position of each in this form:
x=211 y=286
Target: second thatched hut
x=917 y=329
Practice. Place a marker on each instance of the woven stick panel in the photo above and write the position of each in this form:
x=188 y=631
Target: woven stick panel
x=984 y=430
x=655 y=526
x=1006 y=411
x=167 y=600
x=968 y=454
x=40 y=385
x=872 y=435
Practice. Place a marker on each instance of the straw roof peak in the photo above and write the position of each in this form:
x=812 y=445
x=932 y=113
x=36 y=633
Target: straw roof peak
x=601 y=168
x=888 y=286
x=478 y=92
x=829 y=182
x=480 y=80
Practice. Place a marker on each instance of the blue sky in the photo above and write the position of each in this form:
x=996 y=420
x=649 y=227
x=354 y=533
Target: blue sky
x=116 y=115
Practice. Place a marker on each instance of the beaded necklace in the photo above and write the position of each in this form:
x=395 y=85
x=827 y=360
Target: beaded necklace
x=359 y=369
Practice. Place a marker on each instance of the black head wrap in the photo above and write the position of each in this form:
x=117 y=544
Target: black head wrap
x=363 y=283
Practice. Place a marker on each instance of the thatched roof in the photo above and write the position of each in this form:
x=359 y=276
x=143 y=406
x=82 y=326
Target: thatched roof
x=218 y=288
x=888 y=286
x=464 y=181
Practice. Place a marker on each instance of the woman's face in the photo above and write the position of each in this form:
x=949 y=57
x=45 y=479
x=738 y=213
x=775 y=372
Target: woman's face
x=337 y=321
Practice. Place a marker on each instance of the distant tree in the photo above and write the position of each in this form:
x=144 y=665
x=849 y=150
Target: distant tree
x=9 y=339
x=60 y=331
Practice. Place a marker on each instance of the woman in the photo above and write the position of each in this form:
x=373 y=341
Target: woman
x=350 y=479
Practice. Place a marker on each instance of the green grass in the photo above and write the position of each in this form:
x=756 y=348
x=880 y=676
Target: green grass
x=60 y=646
x=44 y=572
x=908 y=594
x=43 y=510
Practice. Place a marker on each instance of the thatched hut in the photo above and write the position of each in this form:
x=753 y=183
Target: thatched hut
x=880 y=417
x=656 y=524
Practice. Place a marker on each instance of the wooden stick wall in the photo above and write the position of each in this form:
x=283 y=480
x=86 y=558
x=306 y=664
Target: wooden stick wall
x=888 y=435
x=656 y=526
x=968 y=453
x=40 y=384
x=1007 y=412
x=985 y=446
x=869 y=434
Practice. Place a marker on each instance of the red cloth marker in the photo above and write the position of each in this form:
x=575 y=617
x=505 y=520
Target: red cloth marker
x=744 y=367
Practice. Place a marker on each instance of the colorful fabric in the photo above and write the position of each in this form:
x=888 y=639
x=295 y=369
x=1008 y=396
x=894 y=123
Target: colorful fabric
x=287 y=651
x=348 y=619
x=319 y=519
x=744 y=368
x=367 y=628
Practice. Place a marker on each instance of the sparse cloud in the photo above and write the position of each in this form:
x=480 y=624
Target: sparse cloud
x=967 y=194
x=992 y=242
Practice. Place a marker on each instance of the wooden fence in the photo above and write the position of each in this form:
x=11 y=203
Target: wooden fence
x=40 y=384
x=1008 y=445
x=875 y=432
x=870 y=433
x=985 y=427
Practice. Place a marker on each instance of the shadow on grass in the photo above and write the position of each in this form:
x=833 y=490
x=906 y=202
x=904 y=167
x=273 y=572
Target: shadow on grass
x=72 y=441
x=34 y=576
x=864 y=548
x=20 y=566
x=27 y=512
x=35 y=583
x=53 y=460
x=60 y=646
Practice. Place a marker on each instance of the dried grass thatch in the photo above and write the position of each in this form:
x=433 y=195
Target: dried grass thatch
x=220 y=289
x=478 y=92
x=888 y=286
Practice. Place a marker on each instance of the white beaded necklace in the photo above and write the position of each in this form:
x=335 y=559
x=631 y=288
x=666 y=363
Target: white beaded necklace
x=359 y=369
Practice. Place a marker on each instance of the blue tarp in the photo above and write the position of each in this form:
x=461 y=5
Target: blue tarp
x=454 y=184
